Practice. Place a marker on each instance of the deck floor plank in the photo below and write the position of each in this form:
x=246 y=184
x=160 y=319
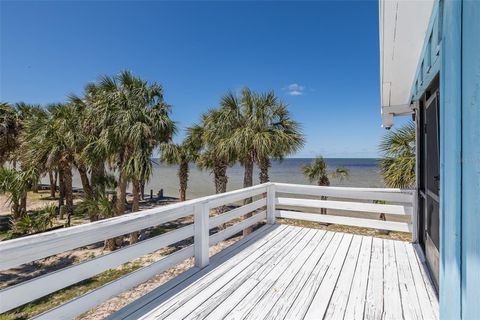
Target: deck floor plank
x=284 y=272
x=408 y=292
x=339 y=299
x=147 y=302
x=220 y=298
x=210 y=284
x=299 y=307
x=231 y=309
x=278 y=293
x=283 y=303
x=425 y=292
x=356 y=300
x=322 y=297
x=391 y=287
x=375 y=294
x=212 y=272
x=287 y=272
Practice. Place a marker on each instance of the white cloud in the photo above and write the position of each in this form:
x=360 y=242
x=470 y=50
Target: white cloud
x=295 y=89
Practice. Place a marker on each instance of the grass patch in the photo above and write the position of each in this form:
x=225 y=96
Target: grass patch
x=55 y=299
x=4 y=235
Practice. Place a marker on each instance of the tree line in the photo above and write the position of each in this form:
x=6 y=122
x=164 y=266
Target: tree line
x=116 y=125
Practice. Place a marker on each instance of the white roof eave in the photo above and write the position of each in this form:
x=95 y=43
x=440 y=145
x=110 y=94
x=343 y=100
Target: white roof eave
x=403 y=25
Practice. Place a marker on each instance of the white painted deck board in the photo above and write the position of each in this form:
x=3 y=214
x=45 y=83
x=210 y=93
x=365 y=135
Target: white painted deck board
x=208 y=299
x=237 y=308
x=322 y=297
x=209 y=283
x=297 y=271
x=283 y=304
x=287 y=269
x=356 y=299
x=391 y=289
x=338 y=302
x=374 y=297
x=286 y=272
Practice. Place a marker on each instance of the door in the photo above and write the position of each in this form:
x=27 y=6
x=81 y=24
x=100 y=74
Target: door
x=429 y=182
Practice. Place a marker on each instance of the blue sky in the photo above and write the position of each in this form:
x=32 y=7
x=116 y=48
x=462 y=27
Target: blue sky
x=321 y=58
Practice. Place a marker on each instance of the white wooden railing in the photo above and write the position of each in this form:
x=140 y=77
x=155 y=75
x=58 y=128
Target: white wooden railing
x=400 y=203
x=14 y=253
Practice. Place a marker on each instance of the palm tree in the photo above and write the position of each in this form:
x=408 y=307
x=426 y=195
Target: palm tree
x=9 y=131
x=50 y=140
x=261 y=128
x=205 y=138
x=91 y=130
x=133 y=118
x=398 y=162
x=15 y=183
x=341 y=173
x=181 y=155
x=98 y=207
x=317 y=171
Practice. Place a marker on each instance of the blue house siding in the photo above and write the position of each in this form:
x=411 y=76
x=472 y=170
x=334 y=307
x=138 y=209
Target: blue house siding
x=450 y=161
x=457 y=24
x=471 y=159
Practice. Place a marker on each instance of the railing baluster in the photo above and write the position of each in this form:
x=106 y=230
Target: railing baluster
x=201 y=237
x=271 y=204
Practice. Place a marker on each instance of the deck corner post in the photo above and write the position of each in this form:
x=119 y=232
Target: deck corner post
x=414 y=221
x=271 y=203
x=201 y=236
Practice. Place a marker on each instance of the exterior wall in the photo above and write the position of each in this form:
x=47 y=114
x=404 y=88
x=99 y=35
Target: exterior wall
x=460 y=161
x=471 y=159
x=457 y=23
x=450 y=162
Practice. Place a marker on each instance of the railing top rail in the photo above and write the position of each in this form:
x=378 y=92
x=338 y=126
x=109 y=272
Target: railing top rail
x=381 y=194
x=22 y=250
x=359 y=189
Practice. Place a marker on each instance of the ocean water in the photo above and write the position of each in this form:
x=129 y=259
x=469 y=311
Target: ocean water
x=363 y=173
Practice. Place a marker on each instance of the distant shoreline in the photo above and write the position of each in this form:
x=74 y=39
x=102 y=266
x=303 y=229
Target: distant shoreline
x=363 y=172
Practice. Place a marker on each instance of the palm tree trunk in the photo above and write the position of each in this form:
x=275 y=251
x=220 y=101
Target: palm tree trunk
x=248 y=175
x=183 y=176
x=23 y=204
x=135 y=206
x=61 y=188
x=323 y=210
x=67 y=176
x=142 y=189
x=53 y=184
x=220 y=176
x=82 y=171
x=264 y=165
x=323 y=181
x=15 y=209
x=97 y=176
x=248 y=182
x=142 y=184
x=221 y=180
x=35 y=186
x=120 y=194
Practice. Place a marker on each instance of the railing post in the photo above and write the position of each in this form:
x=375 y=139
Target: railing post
x=271 y=203
x=201 y=237
x=415 y=226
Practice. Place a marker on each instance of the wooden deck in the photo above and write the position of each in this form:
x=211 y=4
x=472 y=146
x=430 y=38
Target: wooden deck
x=287 y=272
